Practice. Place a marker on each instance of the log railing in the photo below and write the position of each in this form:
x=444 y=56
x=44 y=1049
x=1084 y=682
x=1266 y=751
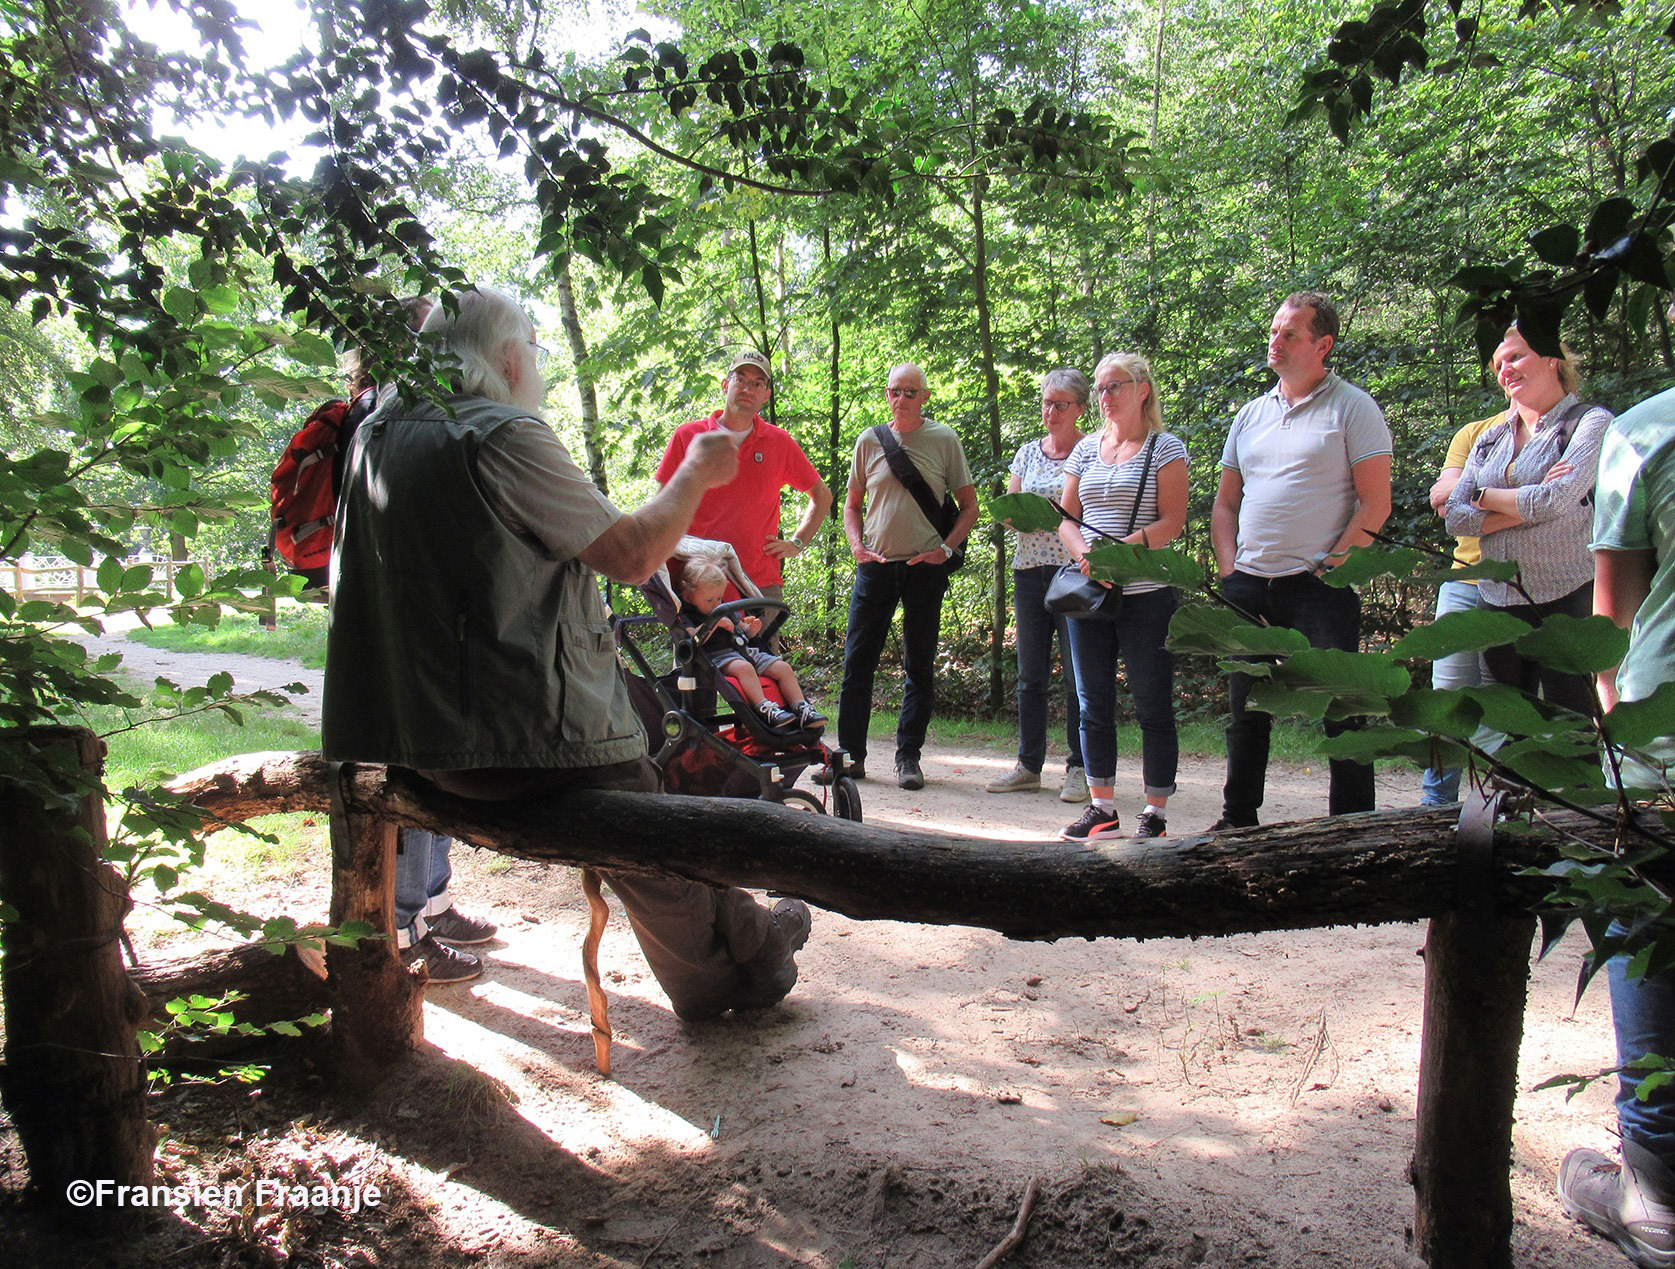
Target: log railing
x=1358 y=869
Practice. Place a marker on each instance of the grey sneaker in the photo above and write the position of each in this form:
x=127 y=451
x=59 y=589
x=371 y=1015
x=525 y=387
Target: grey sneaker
x=1632 y=1204
x=1018 y=780
x=453 y=926
x=772 y=972
x=1075 y=785
x=908 y=775
x=441 y=962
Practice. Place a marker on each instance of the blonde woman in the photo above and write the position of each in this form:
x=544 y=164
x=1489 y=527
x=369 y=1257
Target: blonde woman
x=1128 y=483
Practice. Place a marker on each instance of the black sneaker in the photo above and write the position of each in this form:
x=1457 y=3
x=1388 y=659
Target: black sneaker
x=1096 y=822
x=807 y=715
x=908 y=775
x=855 y=771
x=453 y=926
x=776 y=717
x=1151 y=824
x=441 y=962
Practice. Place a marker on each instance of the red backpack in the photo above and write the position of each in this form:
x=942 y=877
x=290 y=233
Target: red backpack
x=303 y=488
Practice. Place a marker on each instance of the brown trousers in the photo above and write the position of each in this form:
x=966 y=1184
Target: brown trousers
x=711 y=948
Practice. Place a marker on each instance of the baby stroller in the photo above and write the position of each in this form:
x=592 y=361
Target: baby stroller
x=714 y=743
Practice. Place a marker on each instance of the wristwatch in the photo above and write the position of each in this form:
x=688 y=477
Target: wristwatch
x=947 y=551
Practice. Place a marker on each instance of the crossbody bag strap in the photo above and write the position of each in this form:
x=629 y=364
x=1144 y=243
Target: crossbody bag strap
x=901 y=466
x=1145 y=470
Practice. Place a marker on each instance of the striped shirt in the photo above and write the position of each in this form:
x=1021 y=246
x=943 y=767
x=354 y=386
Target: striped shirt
x=1108 y=490
x=1551 y=546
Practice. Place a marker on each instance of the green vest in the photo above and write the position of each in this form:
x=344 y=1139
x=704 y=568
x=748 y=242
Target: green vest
x=454 y=642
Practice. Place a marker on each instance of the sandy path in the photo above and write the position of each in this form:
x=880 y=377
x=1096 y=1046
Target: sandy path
x=1236 y=1101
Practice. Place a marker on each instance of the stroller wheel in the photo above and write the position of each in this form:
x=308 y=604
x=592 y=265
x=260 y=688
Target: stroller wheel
x=798 y=800
x=846 y=799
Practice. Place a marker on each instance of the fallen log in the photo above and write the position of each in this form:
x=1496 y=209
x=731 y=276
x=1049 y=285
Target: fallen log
x=1382 y=866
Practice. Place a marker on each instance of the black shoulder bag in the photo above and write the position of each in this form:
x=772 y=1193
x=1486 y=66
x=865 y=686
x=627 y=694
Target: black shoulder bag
x=941 y=517
x=1073 y=594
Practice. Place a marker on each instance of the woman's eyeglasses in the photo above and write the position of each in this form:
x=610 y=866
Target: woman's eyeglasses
x=1114 y=388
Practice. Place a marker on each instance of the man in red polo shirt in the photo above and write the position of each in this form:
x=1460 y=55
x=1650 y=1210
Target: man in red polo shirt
x=745 y=511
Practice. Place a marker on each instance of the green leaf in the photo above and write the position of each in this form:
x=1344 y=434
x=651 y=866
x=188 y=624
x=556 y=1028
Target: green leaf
x=220 y=300
x=1028 y=513
x=1470 y=631
x=1367 y=563
x=1557 y=245
x=1635 y=724
x=180 y=304
x=1439 y=713
x=1575 y=645
x=1121 y=562
x=1510 y=712
x=1218 y=632
x=1556 y=764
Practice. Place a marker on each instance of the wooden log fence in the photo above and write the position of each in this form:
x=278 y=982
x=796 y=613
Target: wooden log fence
x=1361 y=869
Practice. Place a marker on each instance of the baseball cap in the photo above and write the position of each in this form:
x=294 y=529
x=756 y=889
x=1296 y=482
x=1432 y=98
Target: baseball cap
x=750 y=357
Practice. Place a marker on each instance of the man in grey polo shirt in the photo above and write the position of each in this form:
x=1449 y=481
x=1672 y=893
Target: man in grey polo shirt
x=1305 y=476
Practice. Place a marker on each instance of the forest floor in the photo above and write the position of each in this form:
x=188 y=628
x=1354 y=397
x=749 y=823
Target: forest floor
x=1242 y=1101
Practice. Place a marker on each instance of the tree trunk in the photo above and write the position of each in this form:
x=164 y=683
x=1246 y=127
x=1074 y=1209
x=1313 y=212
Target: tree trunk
x=274 y=989
x=763 y=343
x=72 y=1080
x=1379 y=866
x=585 y=387
x=377 y=1005
x=991 y=388
x=836 y=464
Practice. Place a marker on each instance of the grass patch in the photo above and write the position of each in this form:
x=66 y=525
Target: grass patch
x=174 y=745
x=300 y=635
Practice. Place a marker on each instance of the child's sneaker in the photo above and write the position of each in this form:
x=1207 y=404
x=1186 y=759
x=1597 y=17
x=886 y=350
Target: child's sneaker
x=777 y=718
x=1096 y=822
x=807 y=715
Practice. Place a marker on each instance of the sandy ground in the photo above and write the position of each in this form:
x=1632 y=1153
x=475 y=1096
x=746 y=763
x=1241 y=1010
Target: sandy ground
x=1243 y=1101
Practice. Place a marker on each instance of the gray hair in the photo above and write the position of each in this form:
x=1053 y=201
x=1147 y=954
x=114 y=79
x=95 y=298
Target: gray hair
x=1065 y=379
x=487 y=320
x=1140 y=370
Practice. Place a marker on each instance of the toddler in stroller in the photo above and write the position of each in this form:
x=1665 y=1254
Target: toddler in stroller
x=731 y=648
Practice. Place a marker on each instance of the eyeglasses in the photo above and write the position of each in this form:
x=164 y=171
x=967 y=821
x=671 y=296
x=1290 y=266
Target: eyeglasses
x=1059 y=407
x=542 y=355
x=1114 y=388
x=906 y=394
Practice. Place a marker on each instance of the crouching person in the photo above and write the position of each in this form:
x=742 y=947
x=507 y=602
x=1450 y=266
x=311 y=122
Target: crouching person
x=468 y=641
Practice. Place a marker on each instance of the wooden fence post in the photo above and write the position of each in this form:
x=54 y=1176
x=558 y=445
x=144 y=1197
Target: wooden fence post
x=1477 y=969
x=72 y=1080
x=377 y=1004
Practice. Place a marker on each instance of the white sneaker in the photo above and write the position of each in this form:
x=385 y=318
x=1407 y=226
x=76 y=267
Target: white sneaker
x=1075 y=785
x=1018 y=780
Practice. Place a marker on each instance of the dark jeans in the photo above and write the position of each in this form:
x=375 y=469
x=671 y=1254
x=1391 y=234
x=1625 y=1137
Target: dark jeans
x=1328 y=617
x=1507 y=665
x=1149 y=668
x=1036 y=627
x=879 y=589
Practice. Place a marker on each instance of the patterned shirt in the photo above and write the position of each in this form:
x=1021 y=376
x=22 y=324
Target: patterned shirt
x=1039 y=473
x=1551 y=546
x=1108 y=490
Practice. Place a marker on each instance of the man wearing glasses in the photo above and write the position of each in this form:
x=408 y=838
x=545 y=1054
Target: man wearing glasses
x=746 y=510
x=1305 y=475
x=902 y=560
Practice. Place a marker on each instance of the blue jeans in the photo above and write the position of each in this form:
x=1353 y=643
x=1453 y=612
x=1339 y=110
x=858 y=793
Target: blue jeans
x=1441 y=785
x=879 y=589
x=1328 y=617
x=1643 y=1014
x=1137 y=636
x=422 y=873
x=1036 y=627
